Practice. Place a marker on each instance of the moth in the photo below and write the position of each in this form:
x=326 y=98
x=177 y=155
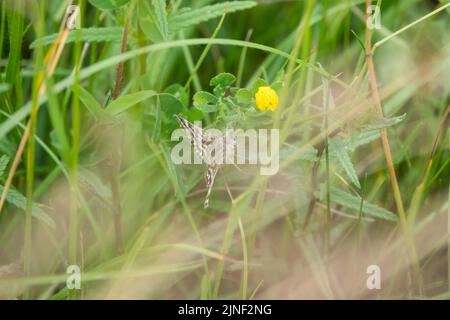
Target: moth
x=203 y=142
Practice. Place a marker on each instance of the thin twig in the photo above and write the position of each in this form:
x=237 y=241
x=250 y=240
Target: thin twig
x=387 y=152
x=120 y=69
x=114 y=159
x=379 y=43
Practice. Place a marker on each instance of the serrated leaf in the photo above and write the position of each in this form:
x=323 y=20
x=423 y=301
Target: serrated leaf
x=338 y=147
x=350 y=201
x=125 y=102
x=189 y=17
x=372 y=132
x=386 y=122
x=109 y=34
x=205 y=102
x=16 y=199
x=4 y=160
x=153 y=20
x=364 y=137
x=309 y=153
x=108 y=4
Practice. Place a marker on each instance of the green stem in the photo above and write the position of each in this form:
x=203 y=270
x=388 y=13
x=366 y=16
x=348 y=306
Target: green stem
x=226 y=244
x=257 y=217
x=73 y=166
x=396 y=33
x=204 y=53
x=31 y=154
x=327 y=163
x=244 y=279
x=240 y=72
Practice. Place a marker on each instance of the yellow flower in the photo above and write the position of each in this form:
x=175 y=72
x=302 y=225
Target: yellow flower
x=266 y=98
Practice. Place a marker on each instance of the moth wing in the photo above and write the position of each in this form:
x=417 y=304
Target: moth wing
x=210 y=176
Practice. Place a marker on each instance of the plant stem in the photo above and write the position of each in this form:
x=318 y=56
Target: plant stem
x=31 y=128
x=123 y=49
x=327 y=164
x=388 y=155
x=204 y=53
x=73 y=165
x=303 y=25
x=244 y=279
x=240 y=72
x=226 y=244
x=382 y=41
x=115 y=156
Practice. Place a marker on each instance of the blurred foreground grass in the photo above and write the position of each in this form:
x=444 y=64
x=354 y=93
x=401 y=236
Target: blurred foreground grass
x=96 y=187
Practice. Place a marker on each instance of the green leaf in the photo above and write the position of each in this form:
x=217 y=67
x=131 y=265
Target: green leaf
x=178 y=92
x=339 y=147
x=93 y=106
x=309 y=153
x=57 y=120
x=16 y=199
x=364 y=137
x=170 y=105
x=153 y=19
x=193 y=114
x=158 y=117
x=207 y=108
x=161 y=115
x=205 y=102
x=15 y=27
x=221 y=82
x=277 y=86
x=352 y=202
x=372 y=132
x=244 y=96
x=108 y=4
x=4 y=160
x=258 y=83
x=54 y=140
x=109 y=34
x=223 y=79
x=386 y=122
x=189 y=17
x=125 y=102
